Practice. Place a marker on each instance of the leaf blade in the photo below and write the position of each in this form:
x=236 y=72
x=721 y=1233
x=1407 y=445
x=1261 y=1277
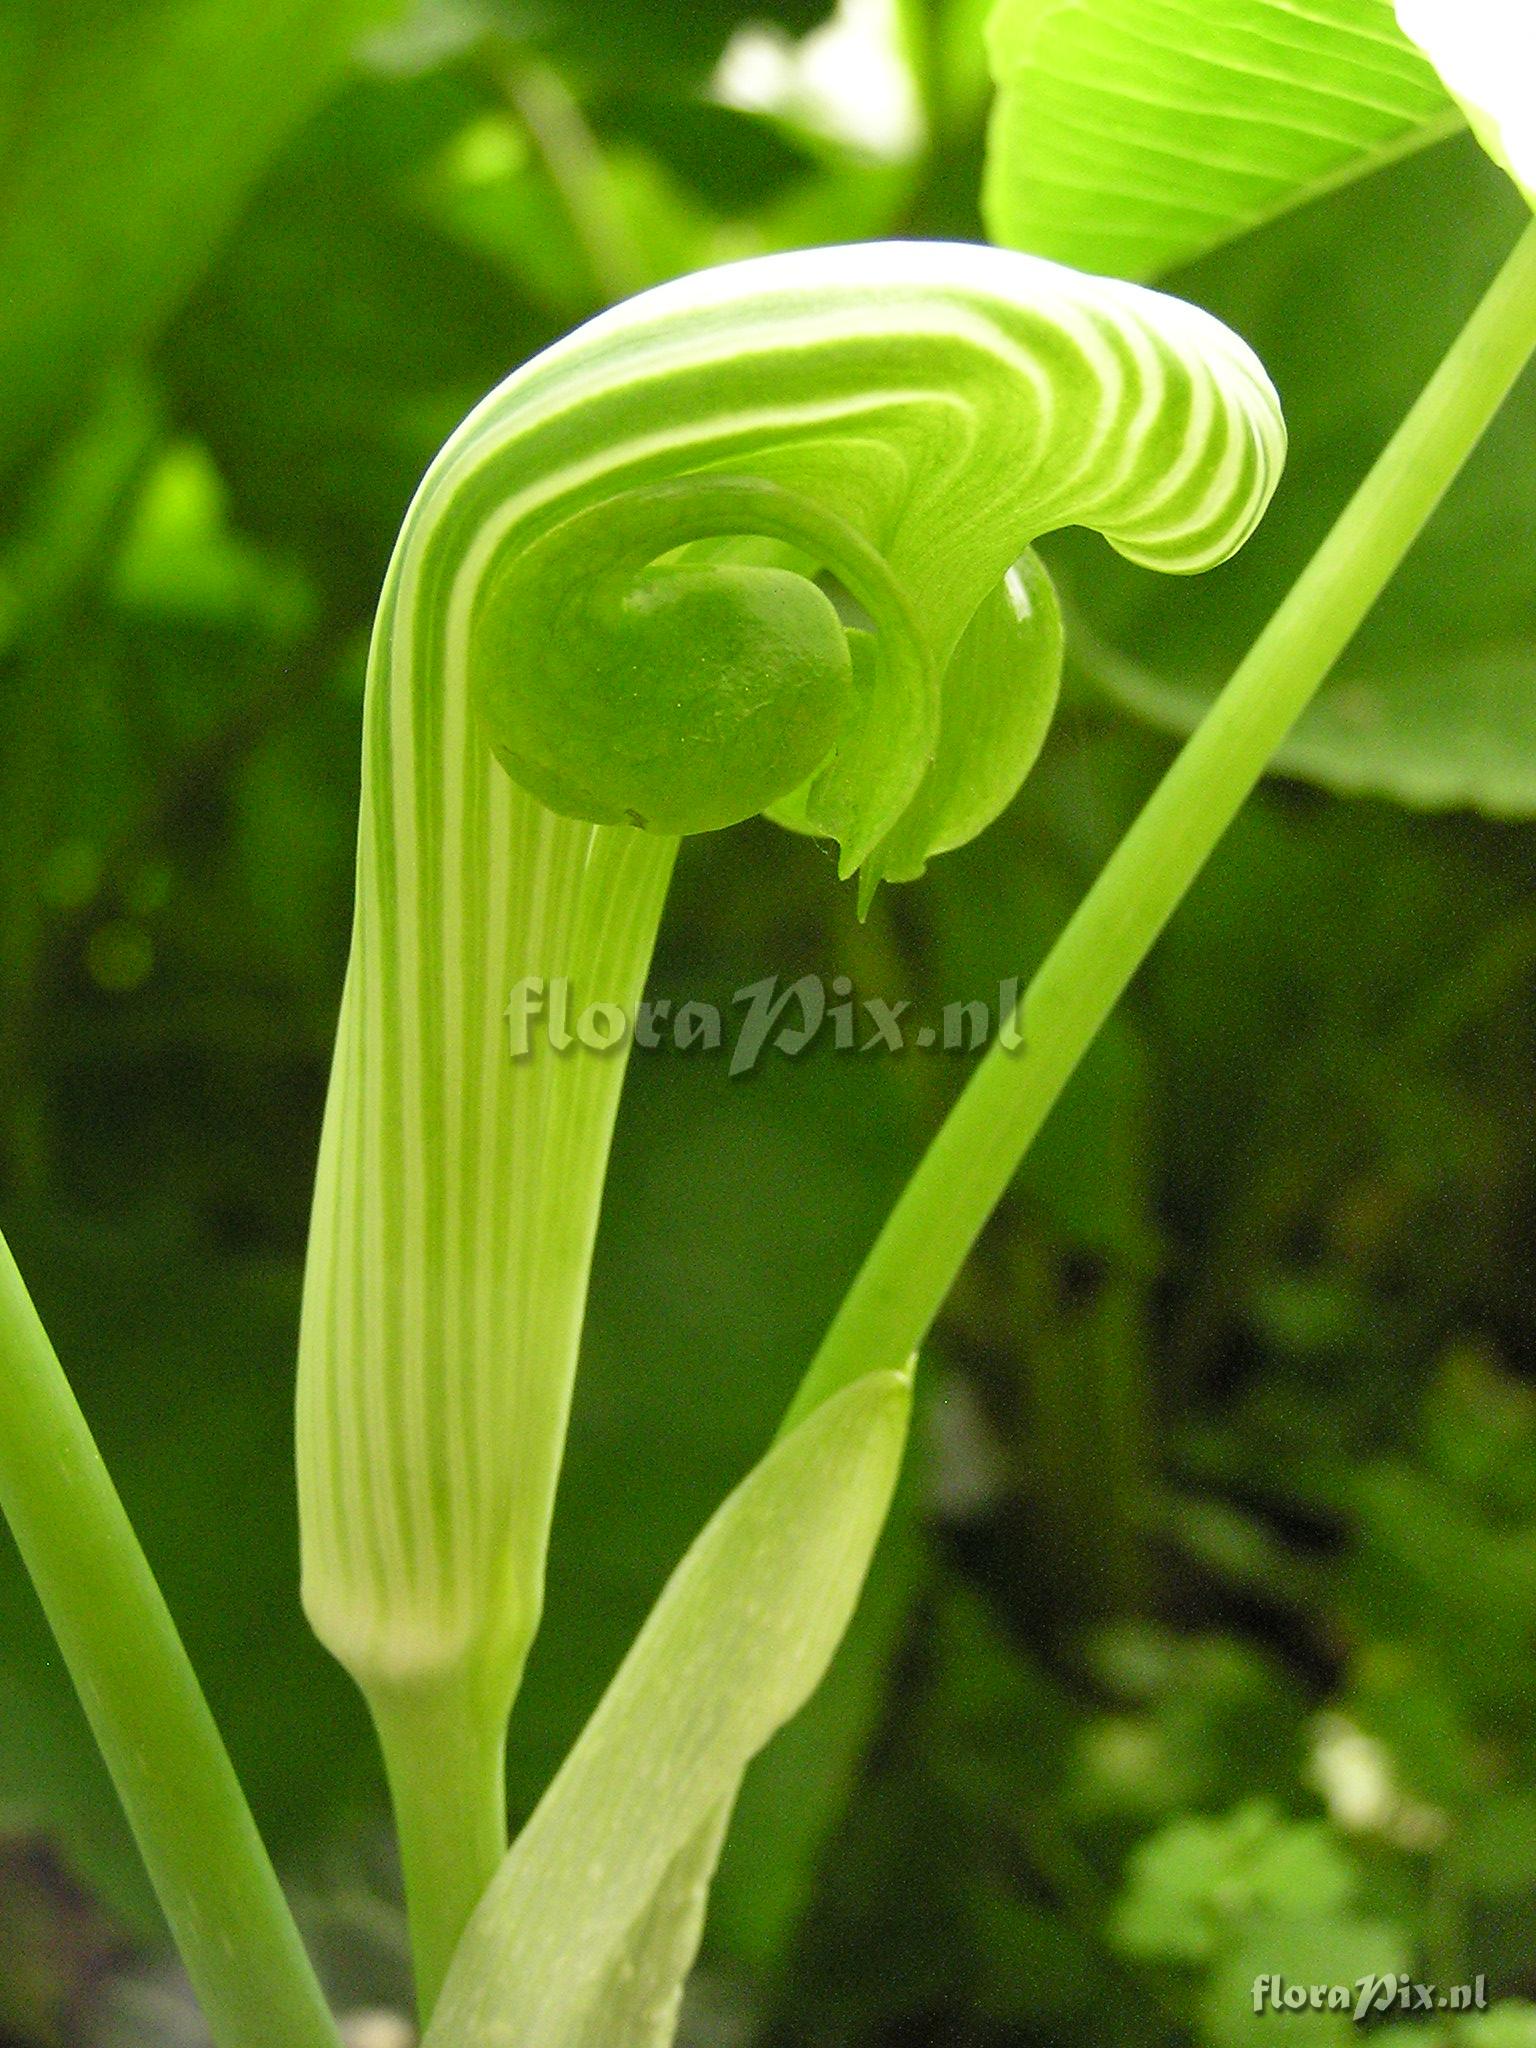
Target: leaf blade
x=737 y=1642
x=639 y=2000
x=1429 y=736
x=1132 y=135
x=135 y=136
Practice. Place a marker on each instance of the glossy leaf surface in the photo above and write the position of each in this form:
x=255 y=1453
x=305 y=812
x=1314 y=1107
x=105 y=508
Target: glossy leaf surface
x=1132 y=135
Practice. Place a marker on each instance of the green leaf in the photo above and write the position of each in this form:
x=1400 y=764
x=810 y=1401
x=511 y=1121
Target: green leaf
x=639 y=1998
x=1510 y=2025
x=735 y=1645
x=136 y=133
x=1197 y=1881
x=1131 y=135
x=1435 y=733
x=1319 y=1947
x=1485 y=51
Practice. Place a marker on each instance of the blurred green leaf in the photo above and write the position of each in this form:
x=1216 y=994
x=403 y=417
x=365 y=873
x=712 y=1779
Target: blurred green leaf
x=626 y=39
x=341 y=334
x=76 y=498
x=1434 y=1570
x=1197 y=1882
x=1496 y=1857
x=180 y=559
x=1510 y=2025
x=1038 y=1972
x=136 y=134
x=1201 y=1721
x=1437 y=732
x=1305 y=1950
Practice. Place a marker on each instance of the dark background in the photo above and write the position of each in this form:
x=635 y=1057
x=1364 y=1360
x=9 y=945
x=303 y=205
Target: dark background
x=1203 y=1641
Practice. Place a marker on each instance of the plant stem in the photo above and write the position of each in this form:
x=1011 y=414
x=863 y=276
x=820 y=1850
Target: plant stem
x=945 y=1206
x=445 y=1754
x=583 y=179
x=231 y=1923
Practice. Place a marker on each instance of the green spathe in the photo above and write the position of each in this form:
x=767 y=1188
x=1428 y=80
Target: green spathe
x=568 y=602
x=618 y=687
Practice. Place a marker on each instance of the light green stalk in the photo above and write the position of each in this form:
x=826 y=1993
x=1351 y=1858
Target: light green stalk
x=175 y=1780
x=905 y=416
x=945 y=1205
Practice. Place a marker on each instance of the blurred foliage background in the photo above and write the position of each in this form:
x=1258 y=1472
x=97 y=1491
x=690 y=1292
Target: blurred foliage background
x=1204 y=1643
